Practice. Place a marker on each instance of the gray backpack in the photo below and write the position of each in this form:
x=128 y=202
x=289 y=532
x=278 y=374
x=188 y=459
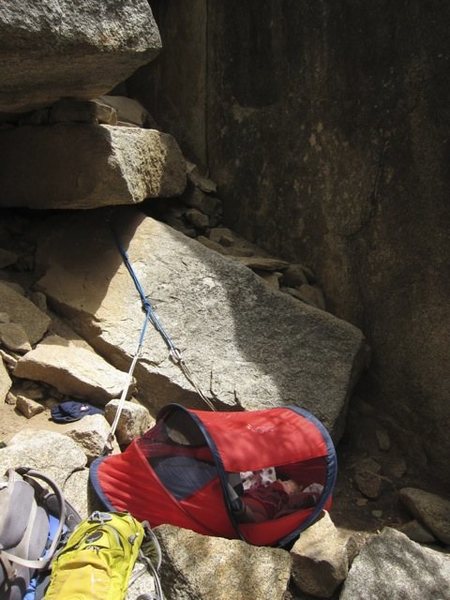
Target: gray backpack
x=33 y=519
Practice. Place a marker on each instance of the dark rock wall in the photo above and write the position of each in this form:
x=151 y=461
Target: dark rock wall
x=174 y=88
x=326 y=126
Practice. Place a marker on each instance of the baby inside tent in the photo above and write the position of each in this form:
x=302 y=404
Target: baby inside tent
x=261 y=476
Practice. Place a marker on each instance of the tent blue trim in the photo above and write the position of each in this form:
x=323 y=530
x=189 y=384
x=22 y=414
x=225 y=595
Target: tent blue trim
x=216 y=456
x=93 y=476
x=330 y=482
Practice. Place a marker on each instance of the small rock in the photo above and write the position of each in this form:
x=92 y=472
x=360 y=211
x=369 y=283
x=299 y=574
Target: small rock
x=383 y=439
x=367 y=478
x=320 y=559
x=8 y=359
x=203 y=183
x=77 y=111
x=91 y=433
x=377 y=513
x=10 y=399
x=223 y=236
x=208 y=205
x=73 y=370
x=294 y=276
x=134 y=420
x=212 y=245
x=179 y=224
x=14 y=337
x=361 y=501
x=128 y=111
x=261 y=263
x=196 y=218
x=417 y=532
x=105 y=114
x=4 y=317
x=28 y=407
x=430 y=509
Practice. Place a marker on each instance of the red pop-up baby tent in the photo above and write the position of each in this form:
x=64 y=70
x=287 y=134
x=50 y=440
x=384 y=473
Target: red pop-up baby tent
x=180 y=471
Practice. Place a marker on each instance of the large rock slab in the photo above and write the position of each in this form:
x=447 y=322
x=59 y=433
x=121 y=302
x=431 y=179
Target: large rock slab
x=391 y=566
x=53 y=49
x=72 y=370
x=246 y=345
x=198 y=567
x=22 y=311
x=86 y=166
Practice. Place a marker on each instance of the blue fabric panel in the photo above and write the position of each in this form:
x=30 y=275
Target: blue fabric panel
x=182 y=476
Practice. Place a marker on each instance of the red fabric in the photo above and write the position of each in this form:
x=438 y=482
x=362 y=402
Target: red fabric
x=245 y=441
x=267 y=501
x=279 y=436
x=164 y=449
x=130 y=484
x=311 y=471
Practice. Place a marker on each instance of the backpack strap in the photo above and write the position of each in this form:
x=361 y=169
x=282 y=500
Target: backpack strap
x=7 y=566
x=28 y=473
x=40 y=563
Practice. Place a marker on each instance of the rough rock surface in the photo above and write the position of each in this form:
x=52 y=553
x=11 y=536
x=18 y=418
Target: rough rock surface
x=220 y=314
x=198 y=567
x=320 y=559
x=390 y=566
x=48 y=451
x=134 y=420
x=72 y=370
x=14 y=337
x=23 y=312
x=430 y=509
x=28 y=407
x=90 y=433
x=5 y=381
x=86 y=166
x=76 y=491
x=53 y=49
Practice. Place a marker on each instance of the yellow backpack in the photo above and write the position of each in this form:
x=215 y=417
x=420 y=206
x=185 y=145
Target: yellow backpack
x=97 y=560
